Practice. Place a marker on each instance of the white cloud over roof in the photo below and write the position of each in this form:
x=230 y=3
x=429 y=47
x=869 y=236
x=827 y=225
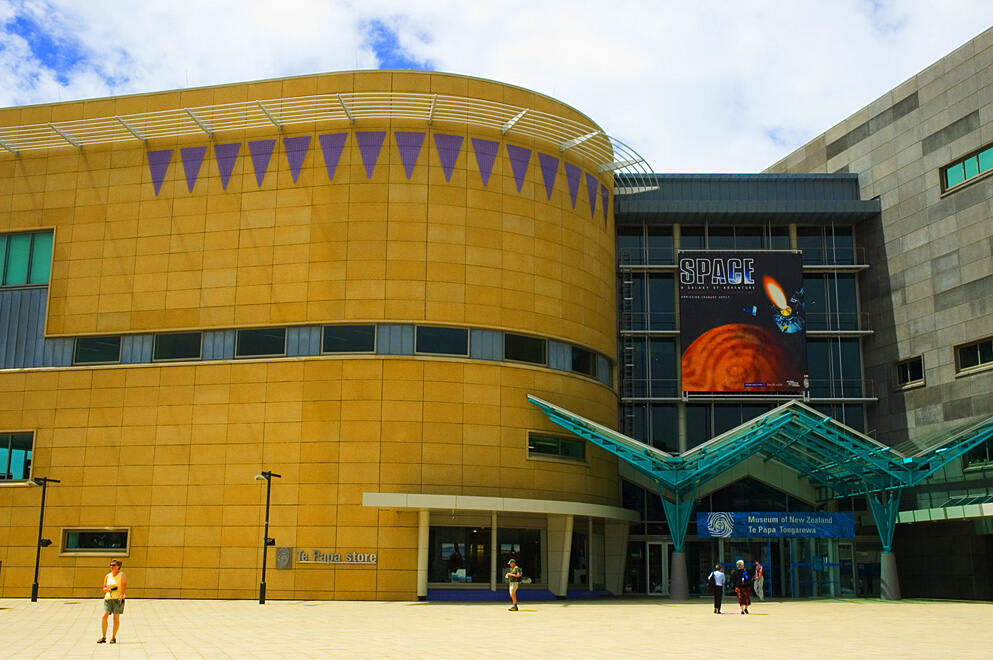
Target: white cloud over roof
x=693 y=86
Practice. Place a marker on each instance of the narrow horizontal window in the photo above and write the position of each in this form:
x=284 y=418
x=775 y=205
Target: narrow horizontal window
x=15 y=456
x=583 y=361
x=557 y=446
x=95 y=541
x=967 y=168
x=349 y=339
x=180 y=346
x=975 y=355
x=97 y=350
x=521 y=348
x=262 y=342
x=910 y=372
x=442 y=341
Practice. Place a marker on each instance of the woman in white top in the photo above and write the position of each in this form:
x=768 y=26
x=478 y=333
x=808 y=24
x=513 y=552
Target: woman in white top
x=716 y=581
x=115 y=584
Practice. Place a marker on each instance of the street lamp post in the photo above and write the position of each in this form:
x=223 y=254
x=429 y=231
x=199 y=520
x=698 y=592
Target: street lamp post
x=42 y=543
x=266 y=541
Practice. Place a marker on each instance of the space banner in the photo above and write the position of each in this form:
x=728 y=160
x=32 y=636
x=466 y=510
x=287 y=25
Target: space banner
x=756 y=524
x=741 y=321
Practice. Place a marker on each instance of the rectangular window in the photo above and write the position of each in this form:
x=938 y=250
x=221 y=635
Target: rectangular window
x=180 y=346
x=95 y=541
x=981 y=455
x=583 y=361
x=521 y=348
x=261 y=342
x=15 y=456
x=442 y=341
x=975 y=355
x=630 y=245
x=910 y=372
x=967 y=168
x=97 y=350
x=349 y=339
x=25 y=258
x=573 y=449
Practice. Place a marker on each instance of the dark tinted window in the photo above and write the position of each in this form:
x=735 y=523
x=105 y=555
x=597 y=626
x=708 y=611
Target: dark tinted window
x=79 y=540
x=15 y=456
x=180 y=346
x=661 y=302
x=442 y=341
x=349 y=339
x=94 y=350
x=660 y=245
x=665 y=427
x=583 y=361
x=263 y=341
x=630 y=245
x=910 y=371
x=524 y=349
x=549 y=445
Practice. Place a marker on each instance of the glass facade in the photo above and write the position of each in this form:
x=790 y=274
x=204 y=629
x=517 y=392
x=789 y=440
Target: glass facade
x=653 y=408
x=15 y=456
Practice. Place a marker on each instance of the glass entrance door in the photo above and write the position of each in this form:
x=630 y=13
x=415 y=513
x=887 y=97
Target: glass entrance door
x=846 y=563
x=658 y=569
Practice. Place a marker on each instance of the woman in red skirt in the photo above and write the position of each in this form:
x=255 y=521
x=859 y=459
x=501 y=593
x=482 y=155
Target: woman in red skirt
x=742 y=583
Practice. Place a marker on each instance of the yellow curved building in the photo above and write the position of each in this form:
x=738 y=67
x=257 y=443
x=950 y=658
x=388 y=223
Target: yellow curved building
x=350 y=280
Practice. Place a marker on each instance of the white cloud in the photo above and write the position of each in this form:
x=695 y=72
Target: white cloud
x=703 y=86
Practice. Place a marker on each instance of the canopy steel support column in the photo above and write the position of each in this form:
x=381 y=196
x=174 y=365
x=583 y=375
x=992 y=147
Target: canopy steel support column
x=885 y=510
x=677 y=515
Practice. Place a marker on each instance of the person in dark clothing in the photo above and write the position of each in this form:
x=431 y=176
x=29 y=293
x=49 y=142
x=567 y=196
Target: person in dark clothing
x=741 y=580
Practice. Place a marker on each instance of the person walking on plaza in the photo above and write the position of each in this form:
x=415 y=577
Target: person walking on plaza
x=759 y=580
x=742 y=583
x=115 y=585
x=716 y=581
x=514 y=578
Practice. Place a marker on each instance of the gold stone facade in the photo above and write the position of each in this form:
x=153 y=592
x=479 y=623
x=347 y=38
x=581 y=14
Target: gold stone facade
x=169 y=450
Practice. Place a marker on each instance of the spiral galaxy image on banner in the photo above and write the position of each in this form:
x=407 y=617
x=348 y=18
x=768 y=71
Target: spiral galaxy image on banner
x=742 y=323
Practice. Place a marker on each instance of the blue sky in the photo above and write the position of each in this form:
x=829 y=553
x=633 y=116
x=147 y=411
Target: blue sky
x=706 y=86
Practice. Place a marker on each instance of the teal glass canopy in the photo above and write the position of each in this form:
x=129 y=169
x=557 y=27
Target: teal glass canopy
x=815 y=445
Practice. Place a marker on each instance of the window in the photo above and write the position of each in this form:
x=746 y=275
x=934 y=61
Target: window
x=975 y=355
x=967 y=168
x=583 y=361
x=630 y=245
x=180 y=346
x=826 y=245
x=25 y=258
x=981 y=455
x=910 y=372
x=521 y=348
x=652 y=302
x=349 y=339
x=95 y=541
x=459 y=555
x=15 y=456
x=97 y=350
x=831 y=301
x=552 y=445
x=261 y=342
x=442 y=341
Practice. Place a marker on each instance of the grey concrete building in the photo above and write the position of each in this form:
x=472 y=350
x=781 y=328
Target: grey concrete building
x=922 y=150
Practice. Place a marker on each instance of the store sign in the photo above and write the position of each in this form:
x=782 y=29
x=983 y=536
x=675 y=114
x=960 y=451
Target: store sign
x=742 y=321
x=331 y=557
x=753 y=524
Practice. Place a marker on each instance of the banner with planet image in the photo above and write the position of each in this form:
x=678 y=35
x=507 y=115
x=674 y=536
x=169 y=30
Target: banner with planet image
x=742 y=321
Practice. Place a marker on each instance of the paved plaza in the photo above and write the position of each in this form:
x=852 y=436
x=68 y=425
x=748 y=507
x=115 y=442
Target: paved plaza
x=615 y=628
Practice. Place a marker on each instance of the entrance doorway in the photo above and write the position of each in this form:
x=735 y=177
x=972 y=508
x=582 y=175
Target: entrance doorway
x=657 y=568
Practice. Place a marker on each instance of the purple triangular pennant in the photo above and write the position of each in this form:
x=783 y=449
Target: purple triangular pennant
x=409 y=143
x=486 y=152
x=192 y=158
x=448 y=148
x=296 y=150
x=549 y=170
x=261 y=151
x=604 y=199
x=331 y=146
x=158 y=163
x=370 y=143
x=591 y=186
x=572 y=178
x=226 y=155
x=519 y=160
